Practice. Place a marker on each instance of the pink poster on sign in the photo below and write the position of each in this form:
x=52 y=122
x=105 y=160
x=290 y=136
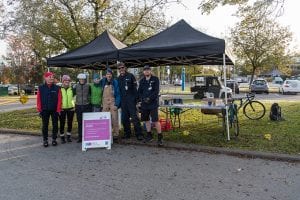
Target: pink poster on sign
x=96 y=129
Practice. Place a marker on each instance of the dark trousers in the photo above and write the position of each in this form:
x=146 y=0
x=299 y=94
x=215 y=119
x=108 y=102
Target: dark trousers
x=79 y=109
x=129 y=111
x=69 y=115
x=45 y=119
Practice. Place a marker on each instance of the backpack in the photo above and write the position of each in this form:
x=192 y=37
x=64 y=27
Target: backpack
x=275 y=113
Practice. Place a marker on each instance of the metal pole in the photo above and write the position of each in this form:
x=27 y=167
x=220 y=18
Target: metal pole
x=182 y=78
x=226 y=100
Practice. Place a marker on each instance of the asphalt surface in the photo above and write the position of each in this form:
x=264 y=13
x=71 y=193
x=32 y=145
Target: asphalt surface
x=30 y=171
x=13 y=103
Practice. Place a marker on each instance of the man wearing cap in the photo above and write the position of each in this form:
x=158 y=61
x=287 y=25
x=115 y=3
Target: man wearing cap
x=111 y=101
x=128 y=90
x=83 y=95
x=96 y=94
x=67 y=109
x=148 y=94
x=49 y=104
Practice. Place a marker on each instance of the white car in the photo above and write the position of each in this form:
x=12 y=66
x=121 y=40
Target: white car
x=290 y=86
x=177 y=82
x=13 y=90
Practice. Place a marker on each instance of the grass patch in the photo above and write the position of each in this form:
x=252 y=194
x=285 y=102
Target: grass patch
x=206 y=129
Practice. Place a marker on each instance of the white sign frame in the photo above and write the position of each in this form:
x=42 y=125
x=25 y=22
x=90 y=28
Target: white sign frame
x=92 y=121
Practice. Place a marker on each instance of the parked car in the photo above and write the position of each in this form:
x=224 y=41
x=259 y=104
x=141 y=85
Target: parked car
x=204 y=84
x=36 y=88
x=163 y=82
x=259 y=86
x=28 y=89
x=277 y=80
x=290 y=86
x=13 y=90
x=233 y=85
x=177 y=82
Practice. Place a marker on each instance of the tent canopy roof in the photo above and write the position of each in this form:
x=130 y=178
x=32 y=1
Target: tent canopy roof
x=97 y=53
x=179 y=44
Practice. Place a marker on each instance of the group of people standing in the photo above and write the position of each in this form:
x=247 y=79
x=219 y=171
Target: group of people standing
x=107 y=95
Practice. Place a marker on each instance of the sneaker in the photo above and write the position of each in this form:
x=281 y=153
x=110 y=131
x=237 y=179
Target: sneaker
x=126 y=137
x=45 y=143
x=159 y=140
x=116 y=139
x=54 y=143
x=63 y=140
x=149 y=137
x=69 y=138
x=140 y=137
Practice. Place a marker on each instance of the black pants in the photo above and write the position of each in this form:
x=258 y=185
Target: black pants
x=69 y=115
x=129 y=111
x=45 y=119
x=79 y=109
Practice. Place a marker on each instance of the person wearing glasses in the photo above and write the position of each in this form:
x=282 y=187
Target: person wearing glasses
x=148 y=94
x=67 y=109
x=128 y=90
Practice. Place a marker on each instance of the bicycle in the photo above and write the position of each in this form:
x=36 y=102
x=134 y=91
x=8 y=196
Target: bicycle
x=233 y=121
x=252 y=109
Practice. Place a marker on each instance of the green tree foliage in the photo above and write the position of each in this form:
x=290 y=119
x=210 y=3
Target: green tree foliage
x=59 y=25
x=269 y=6
x=259 y=42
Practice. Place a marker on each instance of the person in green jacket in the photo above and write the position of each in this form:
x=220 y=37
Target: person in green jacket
x=67 y=109
x=96 y=94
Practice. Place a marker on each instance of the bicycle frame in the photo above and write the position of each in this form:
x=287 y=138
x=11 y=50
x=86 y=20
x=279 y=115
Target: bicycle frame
x=249 y=97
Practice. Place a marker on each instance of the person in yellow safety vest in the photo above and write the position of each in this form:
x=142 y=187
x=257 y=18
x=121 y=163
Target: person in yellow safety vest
x=67 y=109
x=111 y=101
x=96 y=94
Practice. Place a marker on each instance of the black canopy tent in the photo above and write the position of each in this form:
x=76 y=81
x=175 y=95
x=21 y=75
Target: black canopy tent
x=179 y=44
x=97 y=54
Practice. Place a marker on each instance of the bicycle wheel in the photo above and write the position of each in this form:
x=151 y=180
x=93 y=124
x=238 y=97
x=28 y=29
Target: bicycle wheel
x=233 y=122
x=234 y=127
x=254 y=110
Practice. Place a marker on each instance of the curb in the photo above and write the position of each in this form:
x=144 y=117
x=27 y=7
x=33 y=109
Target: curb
x=192 y=148
x=219 y=150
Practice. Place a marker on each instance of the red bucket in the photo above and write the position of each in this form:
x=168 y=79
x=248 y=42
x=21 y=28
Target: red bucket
x=165 y=124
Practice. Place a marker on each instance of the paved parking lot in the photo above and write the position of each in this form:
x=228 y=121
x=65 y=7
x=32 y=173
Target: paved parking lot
x=29 y=171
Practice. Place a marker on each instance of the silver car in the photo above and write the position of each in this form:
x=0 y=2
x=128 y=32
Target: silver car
x=259 y=86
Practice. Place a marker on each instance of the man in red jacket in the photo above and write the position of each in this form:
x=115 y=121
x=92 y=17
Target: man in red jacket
x=49 y=104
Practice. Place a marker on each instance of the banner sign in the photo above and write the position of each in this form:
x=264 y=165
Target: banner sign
x=96 y=130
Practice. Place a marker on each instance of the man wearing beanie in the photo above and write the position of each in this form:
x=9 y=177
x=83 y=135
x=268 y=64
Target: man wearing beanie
x=111 y=101
x=148 y=95
x=96 y=94
x=49 y=104
x=128 y=90
x=67 y=109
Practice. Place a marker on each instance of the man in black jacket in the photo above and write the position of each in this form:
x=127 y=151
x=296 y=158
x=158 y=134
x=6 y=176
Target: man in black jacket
x=149 y=97
x=128 y=90
x=49 y=105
